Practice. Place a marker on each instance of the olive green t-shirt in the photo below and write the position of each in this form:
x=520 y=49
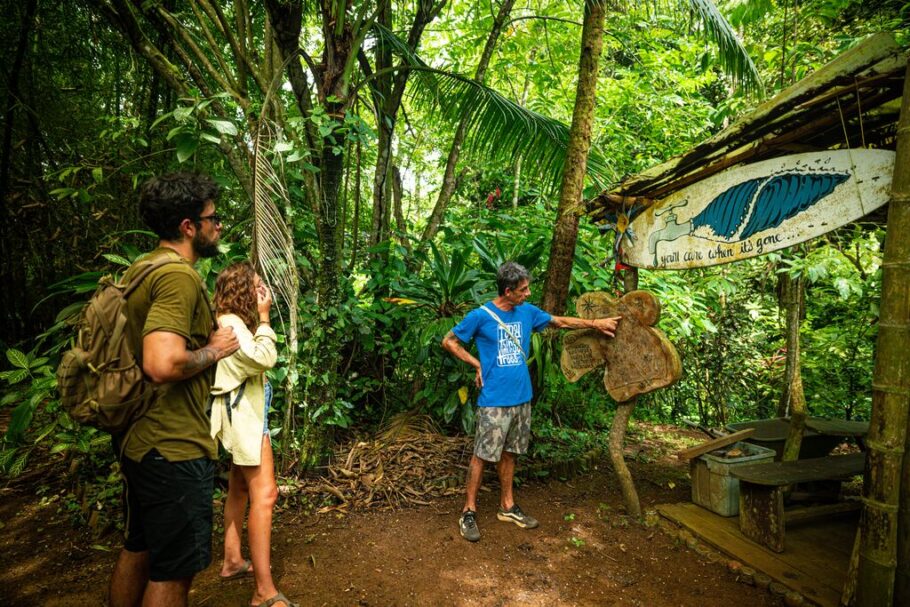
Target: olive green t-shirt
x=172 y=298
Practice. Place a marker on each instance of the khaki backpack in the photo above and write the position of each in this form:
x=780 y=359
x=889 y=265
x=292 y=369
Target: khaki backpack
x=100 y=380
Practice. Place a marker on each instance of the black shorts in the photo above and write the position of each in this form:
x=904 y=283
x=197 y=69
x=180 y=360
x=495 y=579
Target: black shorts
x=168 y=509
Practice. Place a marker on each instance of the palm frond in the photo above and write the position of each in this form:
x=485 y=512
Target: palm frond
x=273 y=245
x=734 y=58
x=497 y=127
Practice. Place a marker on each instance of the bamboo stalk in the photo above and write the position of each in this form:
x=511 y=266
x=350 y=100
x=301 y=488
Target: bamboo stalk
x=887 y=460
x=899 y=268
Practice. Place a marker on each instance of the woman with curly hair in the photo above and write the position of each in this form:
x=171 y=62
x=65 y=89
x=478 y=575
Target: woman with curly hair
x=241 y=397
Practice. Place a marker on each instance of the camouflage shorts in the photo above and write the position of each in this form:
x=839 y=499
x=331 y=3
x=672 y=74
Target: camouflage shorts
x=502 y=429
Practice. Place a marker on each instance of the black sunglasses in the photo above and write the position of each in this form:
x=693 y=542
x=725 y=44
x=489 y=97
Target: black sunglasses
x=215 y=218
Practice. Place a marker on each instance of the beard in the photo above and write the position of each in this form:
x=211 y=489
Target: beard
x=205 y=248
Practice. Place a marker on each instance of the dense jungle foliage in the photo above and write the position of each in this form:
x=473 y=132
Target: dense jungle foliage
x=88 y=117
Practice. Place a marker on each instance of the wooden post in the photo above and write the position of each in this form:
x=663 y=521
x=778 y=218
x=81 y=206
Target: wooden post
x=620 y=426
x=792 y=290
x=887 y=460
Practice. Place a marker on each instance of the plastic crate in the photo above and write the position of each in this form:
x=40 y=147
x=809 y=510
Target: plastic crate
x=713 y=487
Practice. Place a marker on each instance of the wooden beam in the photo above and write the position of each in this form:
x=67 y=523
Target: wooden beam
x=812 y=513
x=687 y=454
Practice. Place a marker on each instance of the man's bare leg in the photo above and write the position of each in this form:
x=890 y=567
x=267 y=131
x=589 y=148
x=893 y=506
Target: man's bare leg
x=506 y=469
x=475 y=475
x=130 y=577
x=172 y=593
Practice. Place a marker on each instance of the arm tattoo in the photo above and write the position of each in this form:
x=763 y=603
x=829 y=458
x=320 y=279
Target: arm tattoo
x=200 y=359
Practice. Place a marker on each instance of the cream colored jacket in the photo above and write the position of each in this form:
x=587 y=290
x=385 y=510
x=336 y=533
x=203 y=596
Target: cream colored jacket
x=241 y=435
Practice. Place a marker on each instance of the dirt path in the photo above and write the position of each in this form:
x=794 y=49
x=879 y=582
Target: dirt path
x=584 y=553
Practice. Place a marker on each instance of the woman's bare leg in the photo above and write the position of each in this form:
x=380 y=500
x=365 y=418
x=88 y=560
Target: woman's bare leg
x=263 y=494
x=234 y=509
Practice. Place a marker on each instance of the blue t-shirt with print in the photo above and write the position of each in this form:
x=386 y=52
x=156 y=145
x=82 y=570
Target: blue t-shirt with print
x=506 y=381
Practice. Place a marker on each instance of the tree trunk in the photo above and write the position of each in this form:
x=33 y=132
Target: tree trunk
x=449 y=180
x=791 y=298
x=400 y=223
x=565 y=232
x=13 y=279
x=617 y=438
x=324 y=349
x=517 y=182
x=355 y=227
x=884 y=527
x=390 y=89
x=618 y=432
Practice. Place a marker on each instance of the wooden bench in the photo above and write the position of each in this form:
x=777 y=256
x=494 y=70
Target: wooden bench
x=761 y=494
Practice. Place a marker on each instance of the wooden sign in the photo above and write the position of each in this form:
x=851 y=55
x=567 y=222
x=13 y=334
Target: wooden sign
x=639 y=359
x=749 y=210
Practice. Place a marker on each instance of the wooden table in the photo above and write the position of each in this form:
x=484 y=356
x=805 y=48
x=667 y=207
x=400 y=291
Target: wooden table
x=819 y=436
x=761 y=494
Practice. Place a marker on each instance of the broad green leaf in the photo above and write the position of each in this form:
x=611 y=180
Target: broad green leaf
x=62 y=192
x=186 y=147
x=14 y=376
x=117 y=259
x=21 y=418
x=182 y=113
x=223 y=126
x=69 y=311
x=17 y=358
x=177 y=130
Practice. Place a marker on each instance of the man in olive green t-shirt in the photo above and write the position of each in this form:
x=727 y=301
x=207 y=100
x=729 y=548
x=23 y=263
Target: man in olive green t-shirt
x=168 y=453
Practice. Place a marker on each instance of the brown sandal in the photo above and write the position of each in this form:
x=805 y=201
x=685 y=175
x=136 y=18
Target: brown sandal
x=245 y=570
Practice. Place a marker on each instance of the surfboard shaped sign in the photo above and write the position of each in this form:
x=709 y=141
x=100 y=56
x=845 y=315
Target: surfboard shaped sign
x=758 y=208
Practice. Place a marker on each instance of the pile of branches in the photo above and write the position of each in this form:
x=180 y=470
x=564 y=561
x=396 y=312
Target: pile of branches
x=402 y=466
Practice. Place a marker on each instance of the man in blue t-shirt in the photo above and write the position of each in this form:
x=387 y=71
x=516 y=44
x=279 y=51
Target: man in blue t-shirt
x=502 y=331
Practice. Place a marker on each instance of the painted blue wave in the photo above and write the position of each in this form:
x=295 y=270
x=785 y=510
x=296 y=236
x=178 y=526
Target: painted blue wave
x=785 y=196
x=727 y=212
x=780 y=198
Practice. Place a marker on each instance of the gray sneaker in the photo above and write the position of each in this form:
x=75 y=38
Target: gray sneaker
x=467 y=525
x=515 y=515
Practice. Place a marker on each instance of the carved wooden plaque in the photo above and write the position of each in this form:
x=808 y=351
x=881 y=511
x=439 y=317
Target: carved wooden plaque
x=581 y=352
x=639 y=359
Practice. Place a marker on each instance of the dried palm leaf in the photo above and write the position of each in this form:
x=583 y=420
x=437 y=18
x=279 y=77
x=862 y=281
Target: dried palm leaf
x=273 y=244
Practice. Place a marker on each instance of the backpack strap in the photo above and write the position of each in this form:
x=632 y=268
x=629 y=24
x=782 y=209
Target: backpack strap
x=128 y=288
x=149 y=266
x=506 y=329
